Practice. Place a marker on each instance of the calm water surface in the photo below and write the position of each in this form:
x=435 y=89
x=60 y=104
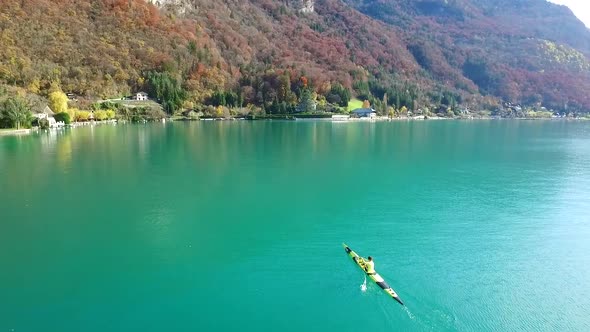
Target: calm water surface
x=479 y=226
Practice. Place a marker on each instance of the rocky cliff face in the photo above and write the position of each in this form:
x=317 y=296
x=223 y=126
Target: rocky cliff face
x=307 y=6
x=303 y=6
x=178 y=6
x=184 y=6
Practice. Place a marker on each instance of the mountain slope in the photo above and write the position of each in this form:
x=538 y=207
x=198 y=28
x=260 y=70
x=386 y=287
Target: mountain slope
x=95 y=48
x=528 y=51
x=419 y=53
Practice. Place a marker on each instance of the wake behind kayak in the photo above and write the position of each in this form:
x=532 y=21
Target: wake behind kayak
x=374 y=276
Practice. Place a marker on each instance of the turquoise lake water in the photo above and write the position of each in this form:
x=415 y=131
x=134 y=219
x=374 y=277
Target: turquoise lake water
x=219 y=226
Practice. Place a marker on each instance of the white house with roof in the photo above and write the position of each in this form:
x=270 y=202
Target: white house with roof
x=141 y=96
x=47 y=114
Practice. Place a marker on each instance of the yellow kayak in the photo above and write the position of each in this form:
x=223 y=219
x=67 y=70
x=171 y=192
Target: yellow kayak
x=374 y=276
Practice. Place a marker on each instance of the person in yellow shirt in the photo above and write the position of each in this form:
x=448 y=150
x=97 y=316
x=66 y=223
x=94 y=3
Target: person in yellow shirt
x=369 y=265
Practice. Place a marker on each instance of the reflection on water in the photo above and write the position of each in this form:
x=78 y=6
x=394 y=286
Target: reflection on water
x=64 y=153
x=143 y=141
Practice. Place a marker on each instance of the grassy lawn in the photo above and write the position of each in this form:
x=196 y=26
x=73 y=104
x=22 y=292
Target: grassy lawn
x=354 y=104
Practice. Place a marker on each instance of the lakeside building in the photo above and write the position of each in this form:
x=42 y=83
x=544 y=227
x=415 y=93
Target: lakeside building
x=47 y=114
x=364 y=113
x=141 y=96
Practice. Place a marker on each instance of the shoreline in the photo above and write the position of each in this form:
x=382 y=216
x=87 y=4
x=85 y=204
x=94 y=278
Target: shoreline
x=377 y=119
x=23 y=132
x=15 y=132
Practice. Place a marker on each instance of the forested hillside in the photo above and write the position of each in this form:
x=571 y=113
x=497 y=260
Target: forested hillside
x=525 y=51
x=277 y=54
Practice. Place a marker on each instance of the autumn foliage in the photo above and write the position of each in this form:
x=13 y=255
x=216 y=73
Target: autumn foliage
x=397 y=53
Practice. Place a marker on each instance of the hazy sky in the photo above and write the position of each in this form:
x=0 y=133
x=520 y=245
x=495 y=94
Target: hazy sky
x=580 y=7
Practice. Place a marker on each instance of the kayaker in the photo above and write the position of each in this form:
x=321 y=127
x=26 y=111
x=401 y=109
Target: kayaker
x=370 y=265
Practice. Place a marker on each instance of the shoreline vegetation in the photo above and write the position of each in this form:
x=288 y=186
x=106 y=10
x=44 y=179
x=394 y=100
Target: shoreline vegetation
x=22 y=111
x=300 y=117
